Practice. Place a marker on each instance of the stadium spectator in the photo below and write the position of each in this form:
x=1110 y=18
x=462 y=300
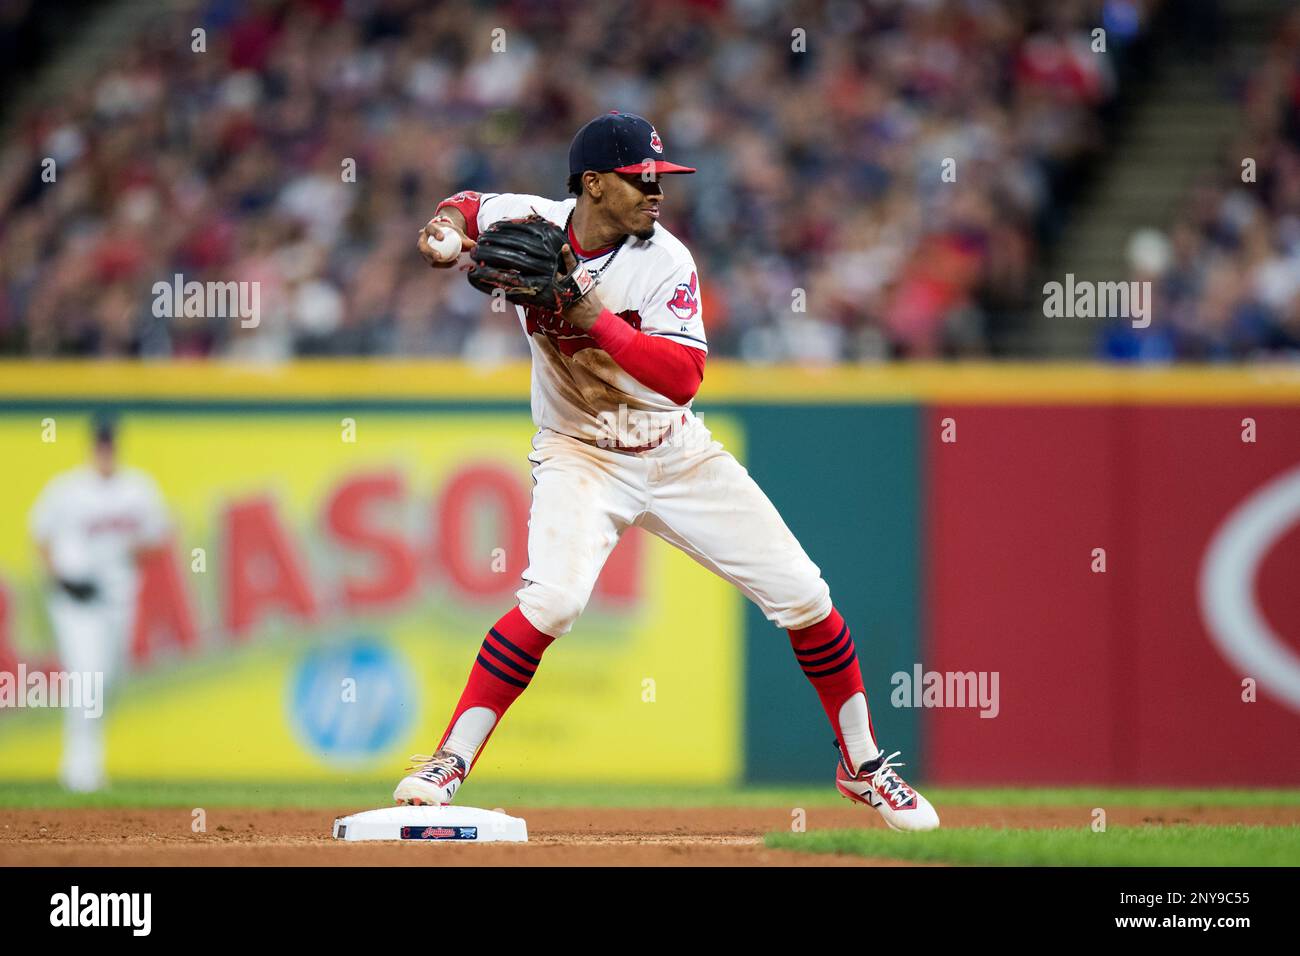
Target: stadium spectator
x=1227 y=278
x=825 y=150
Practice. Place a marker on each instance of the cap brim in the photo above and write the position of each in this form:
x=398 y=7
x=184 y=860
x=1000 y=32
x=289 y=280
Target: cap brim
x=659 y=165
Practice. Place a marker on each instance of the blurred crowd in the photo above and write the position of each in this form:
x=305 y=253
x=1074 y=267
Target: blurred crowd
x=1226 y=276
x=821 y=218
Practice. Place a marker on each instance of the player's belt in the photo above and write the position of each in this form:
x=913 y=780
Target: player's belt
x=638 y=449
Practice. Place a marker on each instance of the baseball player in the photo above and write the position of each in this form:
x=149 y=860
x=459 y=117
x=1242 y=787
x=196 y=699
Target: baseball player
x=611 y=304
x=92 y=525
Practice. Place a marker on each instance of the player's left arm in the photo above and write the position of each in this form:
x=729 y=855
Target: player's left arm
x=47 y=513
x=155 y=525
x=669 y=352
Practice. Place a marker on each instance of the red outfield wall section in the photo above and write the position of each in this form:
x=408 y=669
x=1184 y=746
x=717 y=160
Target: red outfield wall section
x=1115 y=677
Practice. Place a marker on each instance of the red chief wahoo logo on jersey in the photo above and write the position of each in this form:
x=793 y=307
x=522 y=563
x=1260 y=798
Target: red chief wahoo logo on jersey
x=685 y=301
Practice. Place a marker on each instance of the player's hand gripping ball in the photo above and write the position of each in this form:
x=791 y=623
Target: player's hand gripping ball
x=522 y=258
x=448 y=248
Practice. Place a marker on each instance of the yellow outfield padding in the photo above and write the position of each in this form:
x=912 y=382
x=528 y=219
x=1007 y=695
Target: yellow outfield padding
x=724 y=381
x=323 y=379
x=1002 y=383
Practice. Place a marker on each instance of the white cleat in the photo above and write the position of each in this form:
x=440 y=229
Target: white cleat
x=433 y=780
x=878 y=786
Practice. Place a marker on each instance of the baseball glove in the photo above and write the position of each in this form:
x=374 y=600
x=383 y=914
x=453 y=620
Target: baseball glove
x=522 y=258
x=79 y=590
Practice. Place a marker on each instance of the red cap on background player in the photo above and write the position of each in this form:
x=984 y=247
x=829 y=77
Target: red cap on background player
x=620 y=143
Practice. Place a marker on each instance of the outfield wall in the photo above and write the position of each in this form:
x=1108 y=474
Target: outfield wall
x=955 y=512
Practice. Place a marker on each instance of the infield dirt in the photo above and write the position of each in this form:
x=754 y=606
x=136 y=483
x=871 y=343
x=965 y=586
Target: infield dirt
x=569 y=836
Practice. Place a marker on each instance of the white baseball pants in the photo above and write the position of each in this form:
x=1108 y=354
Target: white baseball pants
x=92 y=637
x=691 y=492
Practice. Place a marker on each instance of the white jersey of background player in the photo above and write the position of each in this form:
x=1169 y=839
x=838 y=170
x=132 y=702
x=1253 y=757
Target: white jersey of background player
x=92 y=525
x=617 y=447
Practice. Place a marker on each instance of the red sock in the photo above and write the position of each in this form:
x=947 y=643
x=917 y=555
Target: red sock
x=826 y=653
x=505 y=665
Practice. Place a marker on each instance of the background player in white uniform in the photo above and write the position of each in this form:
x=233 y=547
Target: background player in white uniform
x=618 y=445
x=92 y=525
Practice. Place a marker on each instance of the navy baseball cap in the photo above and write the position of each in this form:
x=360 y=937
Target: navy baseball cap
x=620 y=143
x=103 y=428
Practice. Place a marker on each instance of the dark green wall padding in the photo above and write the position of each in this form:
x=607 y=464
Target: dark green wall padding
x=847 y=480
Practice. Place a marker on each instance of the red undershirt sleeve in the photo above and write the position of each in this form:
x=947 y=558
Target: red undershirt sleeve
x=672 y=369
x=467 y=203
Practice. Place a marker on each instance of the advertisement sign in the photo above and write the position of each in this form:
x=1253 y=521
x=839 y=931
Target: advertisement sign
x=1130 y=572
x=327 y=585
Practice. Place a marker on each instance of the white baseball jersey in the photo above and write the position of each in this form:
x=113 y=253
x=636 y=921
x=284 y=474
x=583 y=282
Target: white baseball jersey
x=92 y=526
x=577 y=389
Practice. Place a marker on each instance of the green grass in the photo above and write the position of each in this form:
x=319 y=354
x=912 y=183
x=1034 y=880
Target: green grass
x=493 y=793
x=1119 y=846
x=1109 y=796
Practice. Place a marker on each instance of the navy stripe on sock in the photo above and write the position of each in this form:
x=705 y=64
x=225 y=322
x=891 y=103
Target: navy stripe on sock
x=852 y=659
x=519 y=651
x=847 y=645
x=496 y=673
x=807 y=651
x=487 y=646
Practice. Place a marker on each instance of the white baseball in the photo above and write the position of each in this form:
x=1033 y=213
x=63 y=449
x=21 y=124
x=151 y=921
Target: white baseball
x=448 y=247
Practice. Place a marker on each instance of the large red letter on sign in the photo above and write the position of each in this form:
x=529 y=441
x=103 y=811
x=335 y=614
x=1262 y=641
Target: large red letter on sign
x=620 y=579
x=260 y=569
x=394 y=575
x=163 y=613
x=494 y=492
x=8 y=659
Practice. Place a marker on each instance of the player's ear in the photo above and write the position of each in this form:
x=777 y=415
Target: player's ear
x=594 y=184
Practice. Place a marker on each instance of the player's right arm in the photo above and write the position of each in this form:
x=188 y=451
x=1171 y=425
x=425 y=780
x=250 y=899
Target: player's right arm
x=46 y=515
x=446 y=218
x=43 y=520
x=461 y=212
x=467 y=212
